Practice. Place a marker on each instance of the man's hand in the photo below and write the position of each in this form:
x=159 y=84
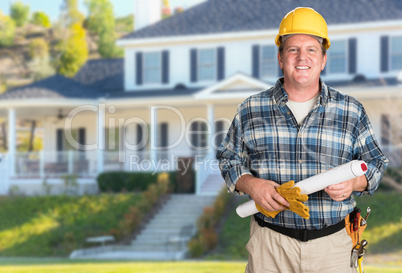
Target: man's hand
x=342 y=191
x=262 y=192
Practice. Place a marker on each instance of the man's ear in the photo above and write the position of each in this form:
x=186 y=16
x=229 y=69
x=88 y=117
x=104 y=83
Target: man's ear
x=324 y=61
x=280 y=60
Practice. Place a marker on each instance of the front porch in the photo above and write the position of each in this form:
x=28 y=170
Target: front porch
x=46 y=172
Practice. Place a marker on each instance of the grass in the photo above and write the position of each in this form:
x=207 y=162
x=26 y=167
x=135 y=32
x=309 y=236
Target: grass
x=55 y=225
x=383 y=233
x=64 y=266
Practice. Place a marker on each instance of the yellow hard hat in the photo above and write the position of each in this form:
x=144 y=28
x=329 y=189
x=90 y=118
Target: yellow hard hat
x=303 y=21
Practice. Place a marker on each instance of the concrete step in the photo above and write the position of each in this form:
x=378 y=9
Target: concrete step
x=163 y=230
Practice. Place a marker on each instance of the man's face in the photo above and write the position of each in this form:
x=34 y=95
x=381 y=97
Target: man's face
x=302 y=61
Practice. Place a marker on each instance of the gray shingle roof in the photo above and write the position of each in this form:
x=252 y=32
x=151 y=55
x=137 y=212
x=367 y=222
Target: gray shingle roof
x=52 y=87
x=216 y=16
x=106 y=74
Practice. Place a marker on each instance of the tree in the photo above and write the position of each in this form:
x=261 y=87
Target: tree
x=20 y=13
x=102 y=23
x=74 y=52
x=7 y=30
x=41 y=19
x=40 y=59
x=70 y=14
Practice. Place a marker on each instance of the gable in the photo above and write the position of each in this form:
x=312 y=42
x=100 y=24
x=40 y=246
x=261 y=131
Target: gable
x=238 y=85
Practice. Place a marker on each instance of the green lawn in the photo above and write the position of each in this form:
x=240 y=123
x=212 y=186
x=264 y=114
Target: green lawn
x=63 y=266
x=384 y=230
x=47 y=226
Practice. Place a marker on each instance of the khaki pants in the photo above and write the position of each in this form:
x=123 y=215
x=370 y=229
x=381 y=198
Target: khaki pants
x=270 y=251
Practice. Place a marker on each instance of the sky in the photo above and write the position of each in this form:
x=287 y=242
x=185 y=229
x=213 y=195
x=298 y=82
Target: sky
x=52 y=7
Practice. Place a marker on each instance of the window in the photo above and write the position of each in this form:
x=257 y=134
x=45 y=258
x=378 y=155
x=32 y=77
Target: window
x=198 y=135
x=152 y=67
x=336 y=62
x=206 y=64
x=269 y=61
x=396 y=53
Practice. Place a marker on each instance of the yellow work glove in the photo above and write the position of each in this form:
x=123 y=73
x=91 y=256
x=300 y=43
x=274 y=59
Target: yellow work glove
x=295 y=199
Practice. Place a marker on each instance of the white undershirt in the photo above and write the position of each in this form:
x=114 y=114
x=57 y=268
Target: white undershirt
x=301 y=109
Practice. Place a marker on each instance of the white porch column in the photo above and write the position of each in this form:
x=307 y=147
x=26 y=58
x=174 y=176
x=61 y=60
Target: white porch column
x=101 y=137
x=154 y=133
x=11 y=140
x=211 y=118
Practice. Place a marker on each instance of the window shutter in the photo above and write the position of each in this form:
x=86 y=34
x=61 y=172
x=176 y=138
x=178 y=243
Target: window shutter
x=221 y=63
x=81 y=138
x=140 y=135
x=352 y=55
x=193 y=65
x=256 y=61
x=164 y=134
x=219 y=131
x=165 y=66
x=138 y=68
x=384 y=55
x=59 y=139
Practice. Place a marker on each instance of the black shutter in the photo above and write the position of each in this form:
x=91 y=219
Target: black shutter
x=219 y=133
x=256 y=61
x=59 y=144
x=164 y=135
x=165 y=66
x=194 y=132
x=81 y=138
x=221 y=63
x=352 y=55
x=140 y=135
x=193 y=65
x=138 y=68
x=59 y=140
x=384 y=55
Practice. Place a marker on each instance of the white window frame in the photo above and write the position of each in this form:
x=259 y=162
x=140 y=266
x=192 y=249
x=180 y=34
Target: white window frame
x=392 y=53
x=145 y=69
x=213 y=65
x=274 y=63
x=330 y=58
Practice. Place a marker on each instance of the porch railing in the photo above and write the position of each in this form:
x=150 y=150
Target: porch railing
x=85 y=164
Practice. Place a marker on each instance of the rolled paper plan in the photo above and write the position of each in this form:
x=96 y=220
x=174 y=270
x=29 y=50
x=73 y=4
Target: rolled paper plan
x=316 y=183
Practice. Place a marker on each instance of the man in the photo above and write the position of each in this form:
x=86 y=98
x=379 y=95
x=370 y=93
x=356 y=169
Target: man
x=297 y=129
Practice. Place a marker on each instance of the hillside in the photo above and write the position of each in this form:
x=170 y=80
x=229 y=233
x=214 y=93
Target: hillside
x=16 y=64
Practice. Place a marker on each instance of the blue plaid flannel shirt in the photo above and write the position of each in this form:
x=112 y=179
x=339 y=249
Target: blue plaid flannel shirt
x=264 y=140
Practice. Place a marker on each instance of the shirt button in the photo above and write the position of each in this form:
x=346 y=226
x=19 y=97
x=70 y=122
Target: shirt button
x=300 y=161
x=288 y=113
x=300 y=134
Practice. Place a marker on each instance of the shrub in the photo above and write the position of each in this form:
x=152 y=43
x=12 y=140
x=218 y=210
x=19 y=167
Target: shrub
x=129 y=181
x=206 y=235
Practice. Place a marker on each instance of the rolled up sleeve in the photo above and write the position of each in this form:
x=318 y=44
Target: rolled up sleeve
x=368 y=150
x=233 y=157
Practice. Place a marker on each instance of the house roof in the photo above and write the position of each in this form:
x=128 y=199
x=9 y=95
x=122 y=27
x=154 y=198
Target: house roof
x=53 y=87
x=105 y=74
x=218 y=16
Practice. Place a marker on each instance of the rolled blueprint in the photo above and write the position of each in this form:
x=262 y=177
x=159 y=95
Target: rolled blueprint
x=316 y=183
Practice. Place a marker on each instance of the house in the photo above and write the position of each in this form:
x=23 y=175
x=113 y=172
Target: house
x=174 y=94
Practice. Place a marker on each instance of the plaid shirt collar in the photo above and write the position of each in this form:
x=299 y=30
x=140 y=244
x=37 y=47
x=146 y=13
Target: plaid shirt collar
x=281 y=97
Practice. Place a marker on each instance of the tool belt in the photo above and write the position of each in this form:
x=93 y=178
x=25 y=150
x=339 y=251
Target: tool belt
x=302 y=234
x=354 y=232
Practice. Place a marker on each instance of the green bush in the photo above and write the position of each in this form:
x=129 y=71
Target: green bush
x=128 y=181
x=206 y=238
